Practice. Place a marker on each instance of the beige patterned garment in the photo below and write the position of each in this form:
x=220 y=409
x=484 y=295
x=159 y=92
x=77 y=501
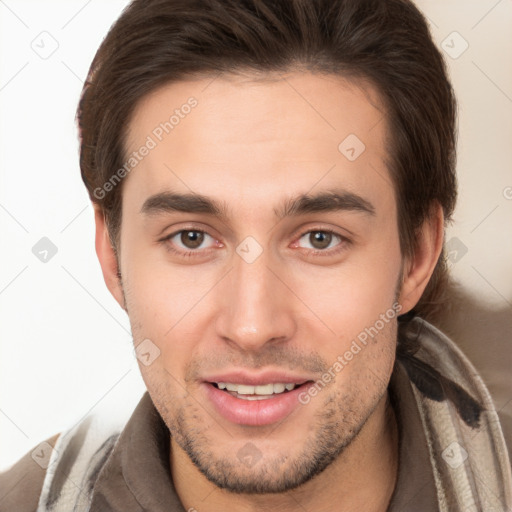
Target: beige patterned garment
x=467 y=450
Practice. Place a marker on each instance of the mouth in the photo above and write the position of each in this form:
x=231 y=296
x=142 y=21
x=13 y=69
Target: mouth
x=255 y=402
x=258 y=392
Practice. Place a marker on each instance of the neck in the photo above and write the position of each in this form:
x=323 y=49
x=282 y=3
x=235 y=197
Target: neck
x=363 y=477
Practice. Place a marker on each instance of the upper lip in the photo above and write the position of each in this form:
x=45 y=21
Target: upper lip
x=257 y=379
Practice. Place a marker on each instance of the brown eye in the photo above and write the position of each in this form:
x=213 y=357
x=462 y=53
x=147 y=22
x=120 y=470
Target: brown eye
x=320 y=239
x=188 y=243
x=192 y=239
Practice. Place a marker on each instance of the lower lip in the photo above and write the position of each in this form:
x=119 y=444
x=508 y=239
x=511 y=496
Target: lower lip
x=254 y=412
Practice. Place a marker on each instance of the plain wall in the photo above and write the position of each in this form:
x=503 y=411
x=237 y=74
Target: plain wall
x=65 y=344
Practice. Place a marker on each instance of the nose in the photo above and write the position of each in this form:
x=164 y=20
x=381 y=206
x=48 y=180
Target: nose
x=255 y=306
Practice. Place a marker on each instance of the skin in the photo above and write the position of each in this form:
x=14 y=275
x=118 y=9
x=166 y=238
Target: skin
x=293 y=308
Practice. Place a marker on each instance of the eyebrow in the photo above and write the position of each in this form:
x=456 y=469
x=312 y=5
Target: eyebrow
x=328 y=201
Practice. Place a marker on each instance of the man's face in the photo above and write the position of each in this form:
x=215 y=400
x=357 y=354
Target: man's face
x=253 y=298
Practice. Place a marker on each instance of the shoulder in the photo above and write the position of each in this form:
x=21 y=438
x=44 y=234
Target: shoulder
x=21 y=484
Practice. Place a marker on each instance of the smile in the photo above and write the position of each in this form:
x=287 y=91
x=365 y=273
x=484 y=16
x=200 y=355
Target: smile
x=254 y=404
x=248 y=392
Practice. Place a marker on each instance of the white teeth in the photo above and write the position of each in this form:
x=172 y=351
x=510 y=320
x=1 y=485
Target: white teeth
x=267 y=389
x=279 y=388
x=263 y=390
x=253 y=397
x=244 y=389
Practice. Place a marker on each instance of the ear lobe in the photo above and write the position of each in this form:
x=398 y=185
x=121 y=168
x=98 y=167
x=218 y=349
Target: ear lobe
x=420 y=267
x=107 y=257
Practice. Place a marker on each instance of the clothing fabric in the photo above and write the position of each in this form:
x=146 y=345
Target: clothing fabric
x=452 y=454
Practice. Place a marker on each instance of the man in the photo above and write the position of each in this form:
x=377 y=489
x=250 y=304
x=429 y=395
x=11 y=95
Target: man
x=271 y=181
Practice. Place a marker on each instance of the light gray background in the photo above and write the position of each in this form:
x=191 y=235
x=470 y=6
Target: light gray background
x=65 y=345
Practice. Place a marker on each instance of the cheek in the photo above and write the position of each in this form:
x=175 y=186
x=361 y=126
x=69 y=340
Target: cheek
x=354 y=295
x=357 y=304
x=160 y=294
x=363 y=363
x=166 y=305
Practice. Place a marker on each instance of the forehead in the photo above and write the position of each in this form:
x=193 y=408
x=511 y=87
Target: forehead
x=250 y=137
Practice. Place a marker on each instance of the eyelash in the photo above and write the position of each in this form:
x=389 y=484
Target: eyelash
x=316 y=252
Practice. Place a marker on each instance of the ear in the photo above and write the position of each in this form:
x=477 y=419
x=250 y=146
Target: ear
x=419 y=268
x=107 y=257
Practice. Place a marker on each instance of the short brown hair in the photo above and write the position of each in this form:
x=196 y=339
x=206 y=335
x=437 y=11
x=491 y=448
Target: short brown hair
x=384 y=42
